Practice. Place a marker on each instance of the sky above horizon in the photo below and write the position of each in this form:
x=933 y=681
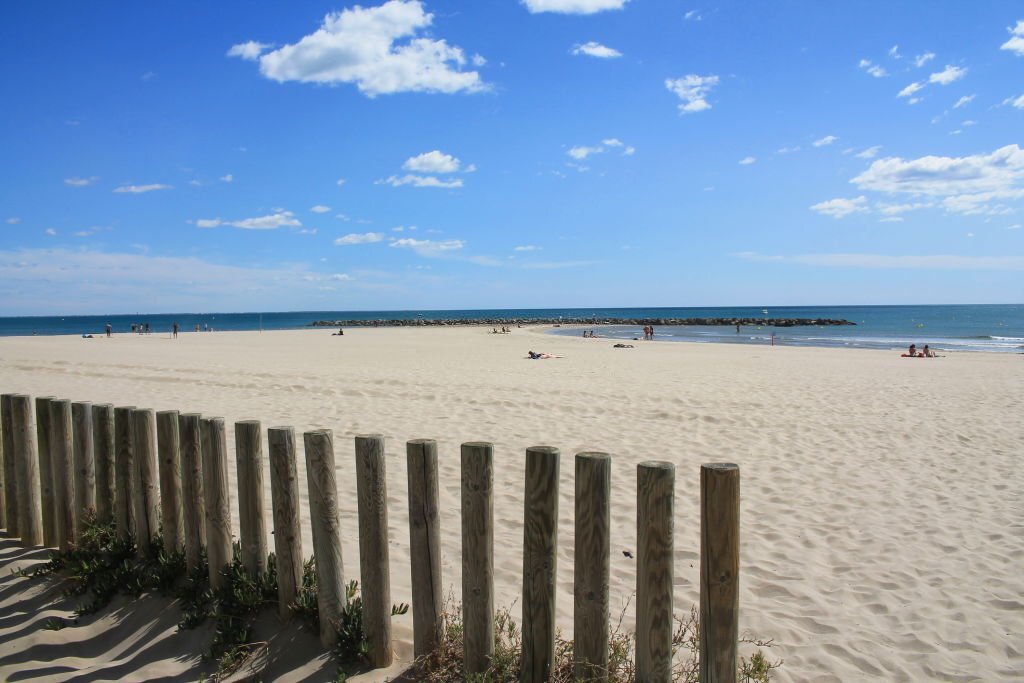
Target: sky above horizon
x=196 y=156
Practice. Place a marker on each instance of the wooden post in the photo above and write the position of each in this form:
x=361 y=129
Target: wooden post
x=193 y=513
x=30 y=514
x=323 y=511
x=217 y=499
x=103 y=447
x=43 y=432
x=540 y=563
x=63 y=472
x=252 y=525
x=284 y=494
x=477 y=556
x=424 y=546
x=10 y=475
x=374 y=563
x=169 y=464
x=85 y=465
x=592 y=565
x=147 y=503
x=719 y=571
x=124 y=465
x=655 y=505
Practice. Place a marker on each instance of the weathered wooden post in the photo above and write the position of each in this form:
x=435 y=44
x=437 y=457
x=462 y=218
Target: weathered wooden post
x=85 y=466
x=374 y=564
x=592 y=565
x=251 y=523
x=477 y=555
x=540 y=562
x=193 y=508
x=169 y=464
x=719 y=571
x=10 y=476
x=217 y=498
x=124 y=466
x=323 y=512
x=424 y=545
x=63 y=471
x=103 y=448
x=43 y=432
x=147 y=500
x=284 y=495
x=655 y=505
x=30 y=514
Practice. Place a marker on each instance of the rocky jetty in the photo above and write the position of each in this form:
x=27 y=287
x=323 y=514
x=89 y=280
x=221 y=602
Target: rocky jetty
x=514 y=322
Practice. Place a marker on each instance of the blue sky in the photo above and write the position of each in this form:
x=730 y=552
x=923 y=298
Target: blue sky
x=197 y=156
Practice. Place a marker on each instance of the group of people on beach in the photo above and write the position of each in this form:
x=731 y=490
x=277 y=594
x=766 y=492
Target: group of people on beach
x=504 y=330
x=649 y=332
x=926 y=352
x=589 y=334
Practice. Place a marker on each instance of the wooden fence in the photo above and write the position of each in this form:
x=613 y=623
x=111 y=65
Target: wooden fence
x=139 y=470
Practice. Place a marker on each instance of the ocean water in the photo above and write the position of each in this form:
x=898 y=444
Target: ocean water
x=994 y=328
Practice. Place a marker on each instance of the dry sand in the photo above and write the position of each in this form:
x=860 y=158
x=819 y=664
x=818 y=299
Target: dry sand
x=882 y=508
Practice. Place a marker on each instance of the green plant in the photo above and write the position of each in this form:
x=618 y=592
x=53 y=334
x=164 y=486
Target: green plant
x=54 y=624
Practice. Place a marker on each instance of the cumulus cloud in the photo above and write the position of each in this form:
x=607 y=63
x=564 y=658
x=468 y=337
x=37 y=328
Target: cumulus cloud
x=141 y=189
x=977 y=183
x=582 y=152
x=227 y=178
x=527 y=247
x=840 y=208
x=278 y=219
x=963 y=101
x=747 y=161
x=420 y=181
x=381 y=50
x=250 y=50
x=825 y=141
x=428 y=248
x=359 y=238
x=910 y=90
x=1016 y=42
x=872 y=68
x=432 y=162
x=50 y=231
x=320 y=208
x=339 y=182
x=948 y=75
x=693 y=90
x=921 y=60
x=80 y=182
x=573 y=6
x=1016 y=102
x=692 y=15
x=595 y=49
x=869 y=153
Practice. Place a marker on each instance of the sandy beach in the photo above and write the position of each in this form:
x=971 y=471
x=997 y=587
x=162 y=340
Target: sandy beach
x=882 y=508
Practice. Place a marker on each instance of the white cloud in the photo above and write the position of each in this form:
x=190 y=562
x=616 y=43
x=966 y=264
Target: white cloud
x=896 y=209
x=582 y=152
x=432 y=162
x=228 y=178
x=869 y=153
x=910 y=90
x=343 y=217
x=891 y=219
x=428 y=248
x=971 y=184
x=692 y=15
x=13 y=220
x=1017 y=102
x=360 y=45
x=840 y=208
x=527 y=247
x=594 y=49
x=340 y=182
x=420 y=181
x=747 y=161
x=573 y=6
x=80 y=182
x=341 y=277
x=359 y=238
x=825 y=141
x=320 y=208
x=1016 y=42
x=140 y=189
x=693 y=90
x=478 y=60
x=963 y=101
x=555 y=265
x=788 y=150
x=250 y=50
x=885 y=261
x=921 y=60
x=948 y=75
x=51 y=232
x=873 y=69
x=894 y=52
x=278 y=219
x=1015 y=226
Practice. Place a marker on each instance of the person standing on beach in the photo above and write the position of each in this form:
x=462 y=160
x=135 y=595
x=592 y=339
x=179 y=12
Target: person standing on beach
x=174 y=330
x=109 y=329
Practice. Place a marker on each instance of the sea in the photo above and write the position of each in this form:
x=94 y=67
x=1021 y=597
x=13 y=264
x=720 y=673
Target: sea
x=996 y=328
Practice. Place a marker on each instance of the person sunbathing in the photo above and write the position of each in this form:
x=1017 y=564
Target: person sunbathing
x=539 y=356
